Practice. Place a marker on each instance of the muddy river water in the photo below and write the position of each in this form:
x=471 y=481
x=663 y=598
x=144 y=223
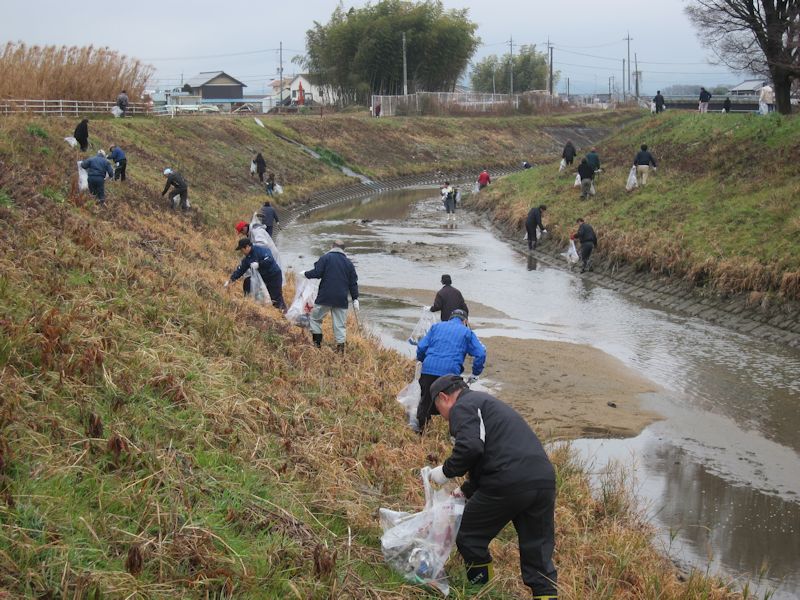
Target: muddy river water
x=717 y=464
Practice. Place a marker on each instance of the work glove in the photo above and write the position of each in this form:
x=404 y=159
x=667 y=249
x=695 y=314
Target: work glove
x=412 y=342
x=254 y=265
x=356 y=305
x=438 y=477
x=227 y=283
x=472 y=379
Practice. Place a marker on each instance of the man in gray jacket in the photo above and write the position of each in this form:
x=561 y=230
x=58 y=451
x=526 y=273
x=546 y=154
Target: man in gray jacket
x=511 y=479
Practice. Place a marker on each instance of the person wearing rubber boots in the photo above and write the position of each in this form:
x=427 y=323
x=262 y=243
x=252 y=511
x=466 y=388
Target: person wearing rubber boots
x=511 y=480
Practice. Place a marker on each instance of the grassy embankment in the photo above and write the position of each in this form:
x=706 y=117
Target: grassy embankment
x=721 y=212
x=159 y=437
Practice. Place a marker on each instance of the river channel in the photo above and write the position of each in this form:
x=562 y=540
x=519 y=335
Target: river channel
x=719 y=474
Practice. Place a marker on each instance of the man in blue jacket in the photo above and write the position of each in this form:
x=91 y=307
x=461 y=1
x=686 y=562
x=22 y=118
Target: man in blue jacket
x=97 y=168
x=337 y=277
x=117 y=156
x=511 y=479
x=261 y=258
x=442 y=351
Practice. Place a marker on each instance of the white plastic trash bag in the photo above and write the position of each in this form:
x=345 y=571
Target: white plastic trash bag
x=571 y=253
x=83 y=178
x=652 y=107
x=258 y=122
x=563 y=165
x=425 y=322
x=304 y=296
x=117 y=112
x=418 y=545
x=71 y=141
x=592 y=190
x=577 y=181
x=278 y=188
x=252 y=167
x=258 y=289
x=260 y=236
x=476 y=187
x=632 y=184
x=409 y=398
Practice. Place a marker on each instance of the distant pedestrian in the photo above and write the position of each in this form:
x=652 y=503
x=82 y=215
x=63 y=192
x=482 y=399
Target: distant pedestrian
x=338 y=278
x=261 y=258
x=586 y=173
x=593 y=158
x=526 y=165
x=377 y=110
x=120 y=161
x=448 y=299
x=98 y=168
x=643 y=161
x=726 y=106
x=484 y=179
x=82 y=134
x=705 y=98
x=268 y=216
x=261 y=166
x=122 y=102
x=766 y=100
x=180 y=189
x=449 y=200
x=659 y=102
x=270 y=187
x=442 y=351
x=533 y=224
x=588 y=242
x=569 y=152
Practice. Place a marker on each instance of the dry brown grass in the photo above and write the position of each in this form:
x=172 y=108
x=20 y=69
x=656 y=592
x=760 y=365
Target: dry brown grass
x=69 y=73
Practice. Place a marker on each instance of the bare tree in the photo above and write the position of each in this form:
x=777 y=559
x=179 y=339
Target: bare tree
x=760 y=36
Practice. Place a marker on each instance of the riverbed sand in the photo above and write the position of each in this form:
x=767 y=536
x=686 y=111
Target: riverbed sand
x=565 y=390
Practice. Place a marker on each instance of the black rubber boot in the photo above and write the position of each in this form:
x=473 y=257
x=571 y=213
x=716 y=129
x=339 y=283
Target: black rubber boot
x=479 y=574
x=317 y=338
x=340 y=348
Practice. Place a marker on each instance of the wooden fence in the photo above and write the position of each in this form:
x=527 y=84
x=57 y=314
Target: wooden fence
x=66 y=107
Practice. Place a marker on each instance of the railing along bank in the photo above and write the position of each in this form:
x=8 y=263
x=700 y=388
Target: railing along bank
x=66 y=107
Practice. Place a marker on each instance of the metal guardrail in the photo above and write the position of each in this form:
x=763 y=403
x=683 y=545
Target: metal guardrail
x=66 y=107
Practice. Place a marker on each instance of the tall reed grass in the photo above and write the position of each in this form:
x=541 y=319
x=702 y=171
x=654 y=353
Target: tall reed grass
x=69 y=73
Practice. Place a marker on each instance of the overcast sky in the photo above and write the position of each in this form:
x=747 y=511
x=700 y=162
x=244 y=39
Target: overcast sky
x=182 y=38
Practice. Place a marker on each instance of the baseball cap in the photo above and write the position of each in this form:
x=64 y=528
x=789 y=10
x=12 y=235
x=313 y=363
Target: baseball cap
x=240 y=226
x=444 y=383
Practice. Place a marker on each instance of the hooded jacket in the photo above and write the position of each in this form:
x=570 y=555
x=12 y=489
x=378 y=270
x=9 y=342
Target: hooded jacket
x=444 y=347
x=337 y=277
x=447 y=300
x=569 y=152
x=177 y=180
x=97 y=167
x=495 y=445
x=585 y=170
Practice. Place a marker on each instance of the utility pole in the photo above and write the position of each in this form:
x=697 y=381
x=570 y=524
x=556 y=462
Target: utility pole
x=551 y=66
x=609 y=88
x=636 y=74
x=405 y=67
x=624 y=95
x=494 y=89
x=567 y=89
x=280 y=74
x=511 y=66
x=629 y=38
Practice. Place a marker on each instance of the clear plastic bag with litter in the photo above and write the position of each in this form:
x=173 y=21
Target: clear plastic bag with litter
x=83 y=178
x=418 y=545
x=258 y=289
x=302 y=305
x=425 y=322
x=117 y=112
x=71 y=141
x=631 y=184
x=562 y=165
x=571 y=253
x=409 y=398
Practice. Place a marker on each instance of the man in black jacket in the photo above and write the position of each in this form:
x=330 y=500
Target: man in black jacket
x=181 y=189
x=705 y=98
x=659 y=102
x=569 y=152
x=81 y=134
x=643 y=161
x=511 y=479
x=338 y=278
x=448 y=299
x=586 y=173
x=534 y=222
x=588 y=241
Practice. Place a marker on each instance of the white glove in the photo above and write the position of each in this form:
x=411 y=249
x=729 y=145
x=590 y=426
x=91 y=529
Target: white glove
x=472 y=379
x=438 y=477
x=254 y=265
x=227 y=283
x=356 y=305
